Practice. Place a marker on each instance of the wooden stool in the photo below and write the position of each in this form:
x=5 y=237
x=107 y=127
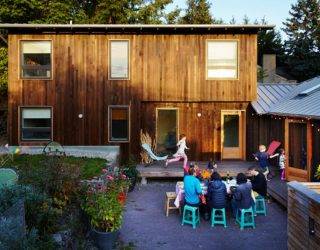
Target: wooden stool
x=170 y=197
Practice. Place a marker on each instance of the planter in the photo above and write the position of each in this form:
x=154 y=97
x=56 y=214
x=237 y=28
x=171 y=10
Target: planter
x=104 y=240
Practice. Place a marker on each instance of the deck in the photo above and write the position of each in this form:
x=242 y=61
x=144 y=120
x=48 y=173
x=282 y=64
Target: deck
x=277 y=189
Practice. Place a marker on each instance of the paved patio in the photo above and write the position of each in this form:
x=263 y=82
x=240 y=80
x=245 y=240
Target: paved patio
x=147 y=227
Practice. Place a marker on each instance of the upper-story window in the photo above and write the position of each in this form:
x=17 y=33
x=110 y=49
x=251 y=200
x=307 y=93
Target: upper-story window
x=222 y=59
x=119 y=59
x=36 y=59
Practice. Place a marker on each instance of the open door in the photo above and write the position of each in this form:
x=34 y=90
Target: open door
x=167 y=130
x=233 y=134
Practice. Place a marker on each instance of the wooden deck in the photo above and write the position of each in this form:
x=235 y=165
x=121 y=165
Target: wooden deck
x=277 y=189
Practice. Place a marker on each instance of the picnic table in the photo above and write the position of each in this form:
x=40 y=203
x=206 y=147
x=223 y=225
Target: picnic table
x=204 y=187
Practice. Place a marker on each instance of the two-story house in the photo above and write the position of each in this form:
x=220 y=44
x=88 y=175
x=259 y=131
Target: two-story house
x=102 y=84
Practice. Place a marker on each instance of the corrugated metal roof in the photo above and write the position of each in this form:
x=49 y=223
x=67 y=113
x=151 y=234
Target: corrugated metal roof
x=300 y=105
x=270 y=94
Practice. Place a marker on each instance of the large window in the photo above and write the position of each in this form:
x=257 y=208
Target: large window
x=36 y=124
x=222 y=59
x=119 y=123
x=119 y=59
x=36 y=59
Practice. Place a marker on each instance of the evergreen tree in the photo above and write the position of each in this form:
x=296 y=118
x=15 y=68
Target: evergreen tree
x=197 y=12
x=303 y=44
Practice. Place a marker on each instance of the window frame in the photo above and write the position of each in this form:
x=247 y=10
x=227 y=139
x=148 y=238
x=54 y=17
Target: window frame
x=238 y=61
x=109 y=59
x=21 y=60
x=110 y=107
x=20 y=119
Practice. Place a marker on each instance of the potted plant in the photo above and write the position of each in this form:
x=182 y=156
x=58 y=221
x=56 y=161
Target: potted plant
x=130 y=170
x=104 y=204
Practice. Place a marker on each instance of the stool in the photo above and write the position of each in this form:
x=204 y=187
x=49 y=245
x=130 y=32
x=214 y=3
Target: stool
x=170 y=196
x=191 y=216
x=218 y=217
x=260 y=206
x=246 y=218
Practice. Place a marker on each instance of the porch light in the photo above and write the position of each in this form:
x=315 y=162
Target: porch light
x=199 y=114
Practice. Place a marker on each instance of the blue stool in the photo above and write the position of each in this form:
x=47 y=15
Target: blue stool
x=218 y=217
x=191 y=216
x=260 y=206
x=246 y=218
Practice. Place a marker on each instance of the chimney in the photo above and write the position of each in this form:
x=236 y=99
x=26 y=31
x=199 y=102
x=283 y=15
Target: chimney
x=269 y=67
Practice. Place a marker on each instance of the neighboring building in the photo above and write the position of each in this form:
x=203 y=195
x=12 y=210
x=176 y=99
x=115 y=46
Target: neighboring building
x=291 y=114
x=102 y=84
x=272 y=73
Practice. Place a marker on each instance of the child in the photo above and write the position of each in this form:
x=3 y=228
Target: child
x=282 y=164
x=212 y=166
x=182 y=146
x=262 y=157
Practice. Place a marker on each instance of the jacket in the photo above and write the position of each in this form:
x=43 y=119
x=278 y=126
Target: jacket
x=242 y=195
x=217 y=192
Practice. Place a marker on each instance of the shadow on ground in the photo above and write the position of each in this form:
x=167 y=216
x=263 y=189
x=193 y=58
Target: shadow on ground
x=146 y=226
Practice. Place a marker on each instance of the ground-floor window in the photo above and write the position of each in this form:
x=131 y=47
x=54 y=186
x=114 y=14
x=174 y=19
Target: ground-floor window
x=36 y=123
x=119 y=123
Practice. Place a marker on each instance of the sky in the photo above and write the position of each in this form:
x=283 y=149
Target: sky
x=274 y=11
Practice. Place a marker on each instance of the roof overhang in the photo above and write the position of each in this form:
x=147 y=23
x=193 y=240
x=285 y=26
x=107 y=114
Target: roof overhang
x=135 y=28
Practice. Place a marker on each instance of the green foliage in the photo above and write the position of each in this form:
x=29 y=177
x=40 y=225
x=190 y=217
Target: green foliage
x=104 y=201
x=317 y=173
x=261 y=74
x=3 y=71
x=303 y=44
x=197 y=12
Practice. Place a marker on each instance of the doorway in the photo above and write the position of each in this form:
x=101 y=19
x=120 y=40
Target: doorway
x=167 y=129
x=297 y=150
x=232 y=134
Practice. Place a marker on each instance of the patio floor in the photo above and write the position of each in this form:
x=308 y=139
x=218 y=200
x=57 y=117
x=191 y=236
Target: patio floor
x=146 y=226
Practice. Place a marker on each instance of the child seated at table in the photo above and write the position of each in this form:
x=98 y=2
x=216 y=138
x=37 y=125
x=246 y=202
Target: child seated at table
x=192 y=188
x=217 y=192
x=212 y=165
x=242 y=198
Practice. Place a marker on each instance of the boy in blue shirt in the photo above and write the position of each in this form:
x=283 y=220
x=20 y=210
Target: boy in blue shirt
x=192 y=188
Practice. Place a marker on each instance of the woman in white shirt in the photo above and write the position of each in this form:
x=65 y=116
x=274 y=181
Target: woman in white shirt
x=182 y=146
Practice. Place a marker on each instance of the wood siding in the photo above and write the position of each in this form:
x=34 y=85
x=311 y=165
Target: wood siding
x=163 y=68
x=303 y=216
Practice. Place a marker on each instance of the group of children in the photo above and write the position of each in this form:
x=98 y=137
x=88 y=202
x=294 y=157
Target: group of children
x=262 y=156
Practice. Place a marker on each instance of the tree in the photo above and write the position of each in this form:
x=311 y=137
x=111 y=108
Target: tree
x=3 y=71
x=303 y=44
x=197 y=12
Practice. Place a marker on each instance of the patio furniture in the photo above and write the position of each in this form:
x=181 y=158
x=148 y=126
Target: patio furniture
x=8 y=177
x=191 y=215
x=218 y=217
x=260 y=206
x=245 y=218
x=170 y=197
x=154 y=157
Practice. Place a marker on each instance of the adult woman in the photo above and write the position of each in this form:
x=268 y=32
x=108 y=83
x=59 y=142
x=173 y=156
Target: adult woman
x=242 y=198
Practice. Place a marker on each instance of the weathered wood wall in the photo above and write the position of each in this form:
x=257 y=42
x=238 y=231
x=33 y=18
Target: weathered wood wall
x=166 y=68
x=203 y=133
x=262 y=130
x=303 y=216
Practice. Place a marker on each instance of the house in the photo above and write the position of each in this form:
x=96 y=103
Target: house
x=290 y=114
x=103 y=84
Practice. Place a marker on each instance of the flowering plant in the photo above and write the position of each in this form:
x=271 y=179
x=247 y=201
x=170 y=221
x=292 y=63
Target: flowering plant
x=317 y=174
x=104 y=200
x=206 y=174
x=4 y=158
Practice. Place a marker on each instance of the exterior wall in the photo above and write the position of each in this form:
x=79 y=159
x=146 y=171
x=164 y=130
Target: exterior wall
x=262 y=130
x=203 y=133
x=163 y=68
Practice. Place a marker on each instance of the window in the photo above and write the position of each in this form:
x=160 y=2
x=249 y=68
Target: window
x=119 y=123
x=36 y=59
x=119 y=59
x=35 y=124
x=222 y=59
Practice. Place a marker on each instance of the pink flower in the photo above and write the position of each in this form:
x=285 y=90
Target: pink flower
x=104 y=170
x=6 y=146
x=109 y=177
x=123 y=176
